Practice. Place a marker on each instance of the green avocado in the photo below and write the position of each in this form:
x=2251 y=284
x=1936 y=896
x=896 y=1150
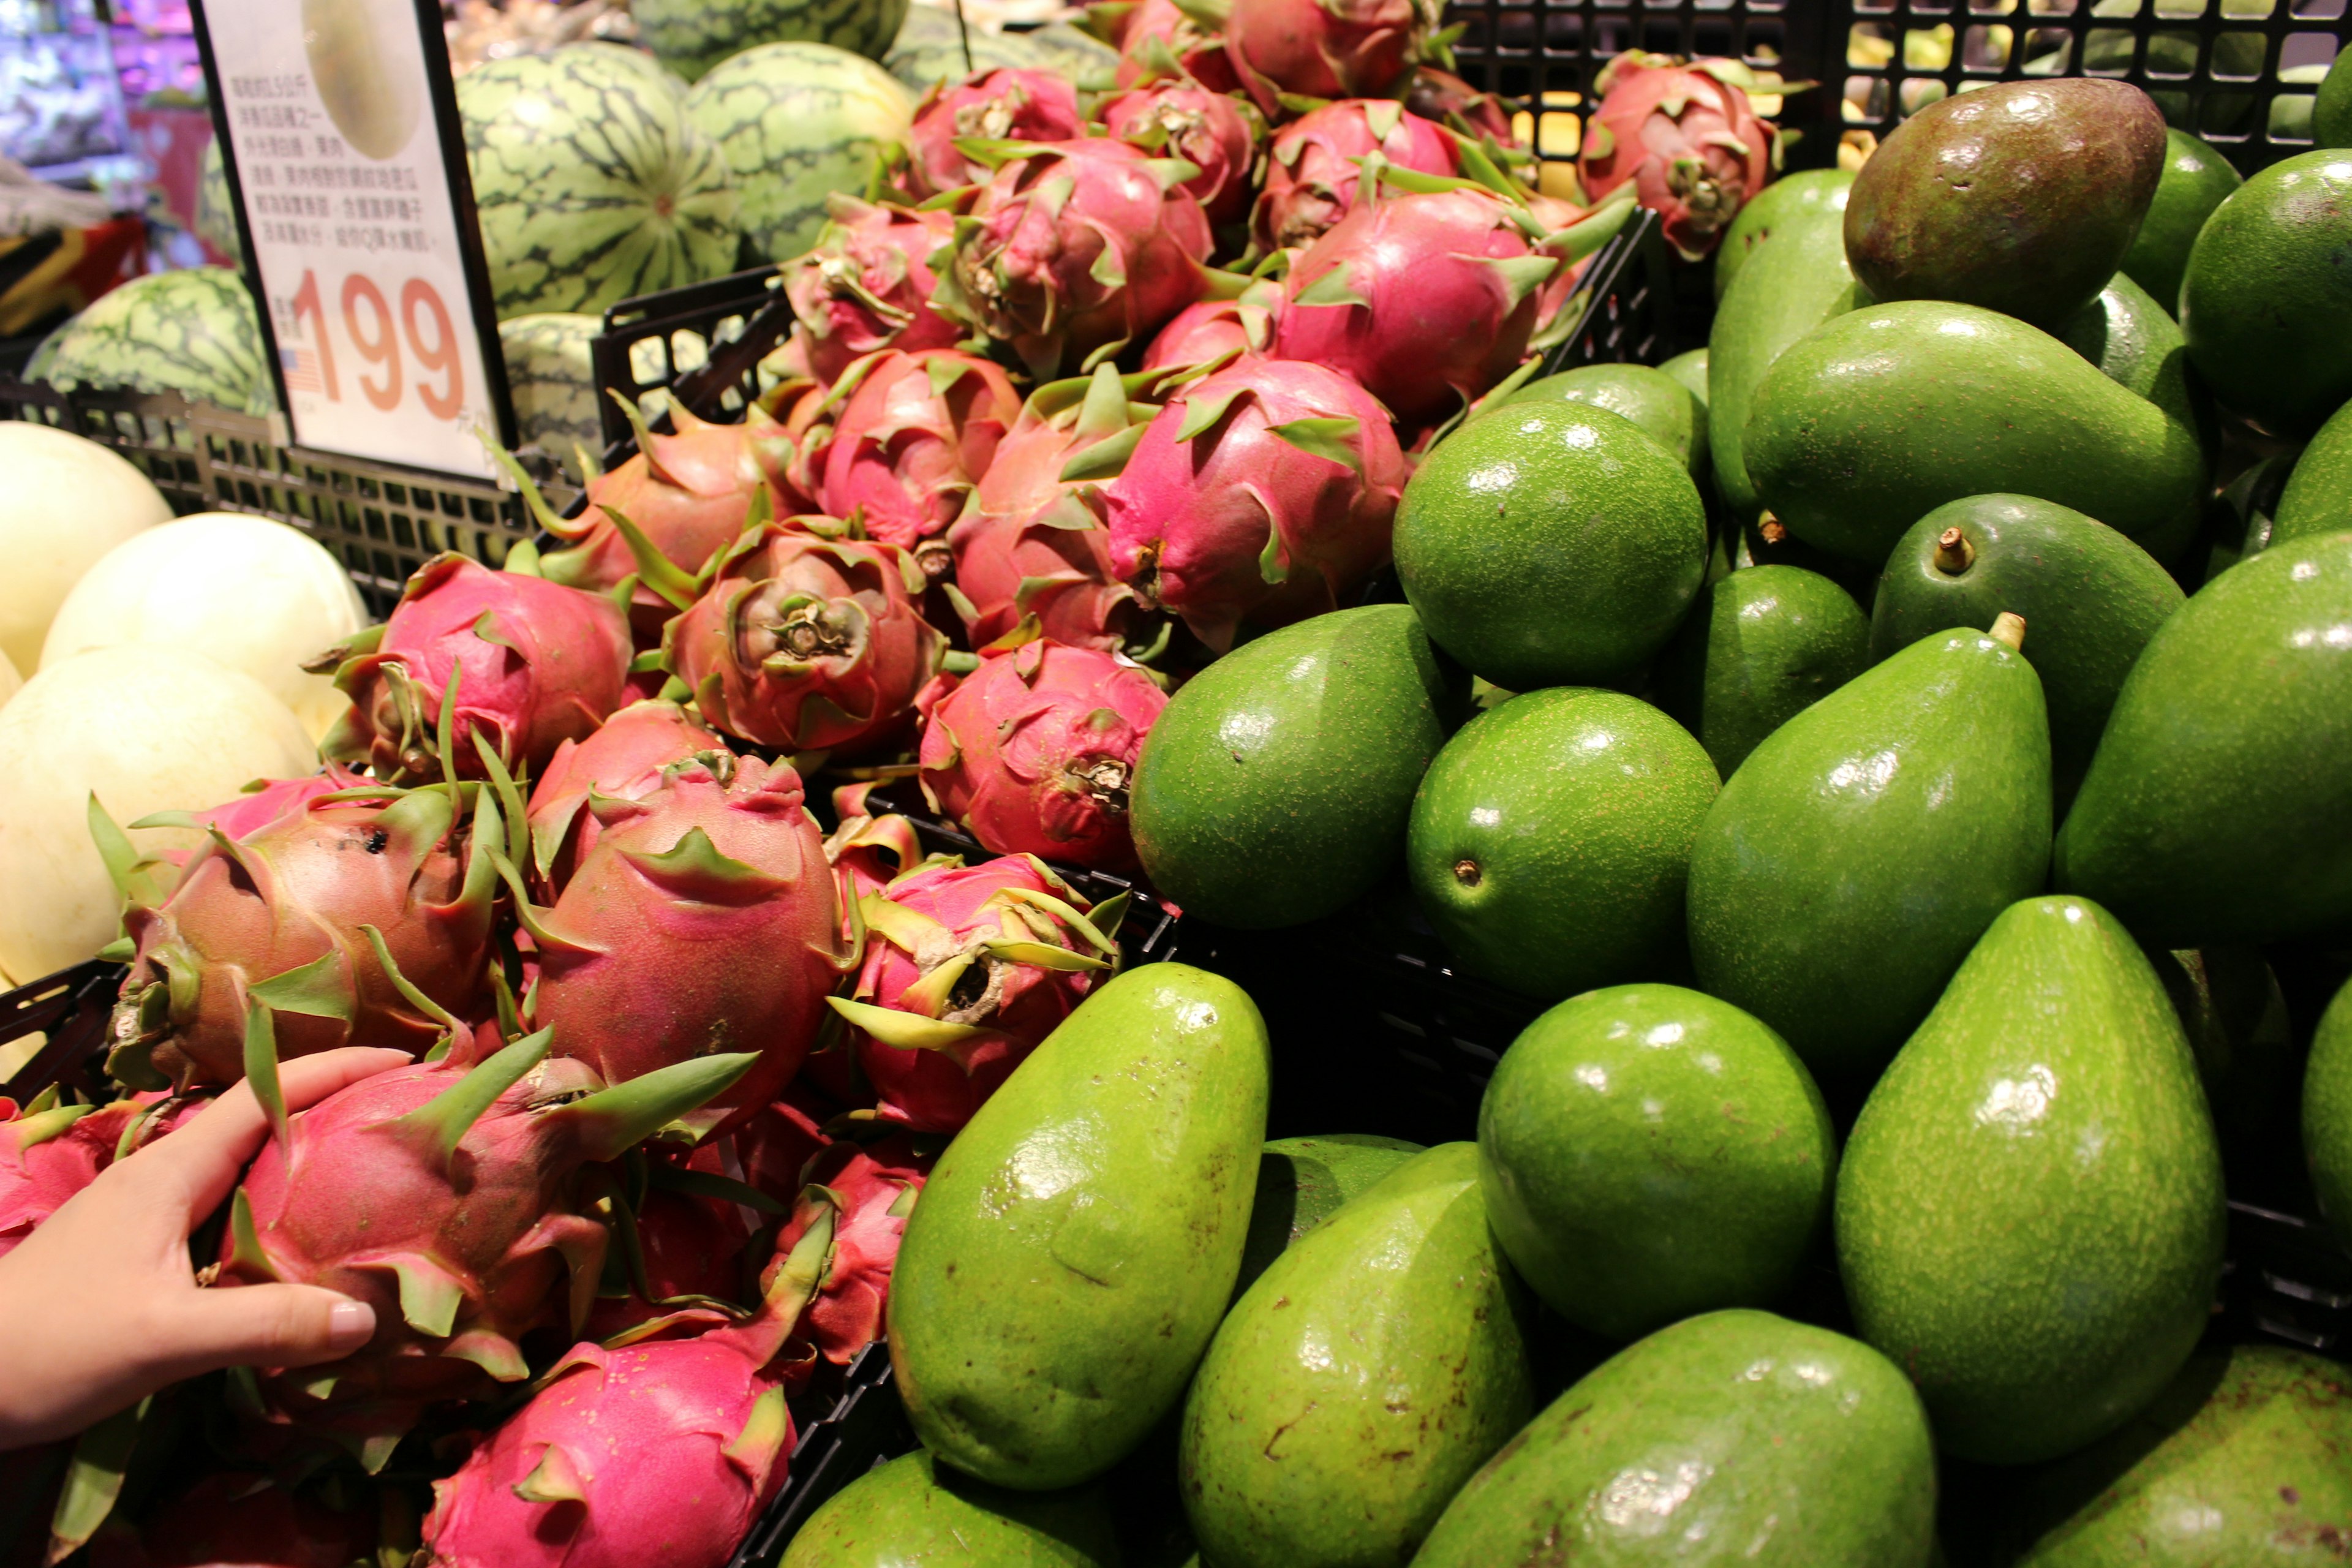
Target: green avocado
x=1548 y=545
x=2267 y=300
x=1689 y=367
x=2331 y=116
x=2235 y=1016
x=1887 y=412
x=2319 y=494
x=1550 y=841
x=2244 y=1461
x=2091 y=599
x=1763 y=645
x=1813 y=191
x=2214 y=808
x=1668 y=412
x=1078 y=1243
x=1734 y=1439
x=2022 y=197
x=2137 y=345
x=1274 y=789
x=1364 y=1377
x=1791 y=287
x=1857 y=855
x=2327 y=1114
x=2197 y=179
x=1302 y=1182
x=2030 y=1216
x=915 y=1513
x=1649 y=1153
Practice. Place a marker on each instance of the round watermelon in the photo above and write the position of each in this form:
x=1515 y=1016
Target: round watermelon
x=1083 y=58
x=553 y=385
x=592 y=184
x=691 y=36
x=193 y=331
x=799 y=122
x=216 y=213
x=929 y=50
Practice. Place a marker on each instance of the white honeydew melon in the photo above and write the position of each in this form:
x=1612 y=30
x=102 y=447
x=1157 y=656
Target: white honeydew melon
x=149 y=729
x=9 y=679
x=64 y=502
x=247 y=593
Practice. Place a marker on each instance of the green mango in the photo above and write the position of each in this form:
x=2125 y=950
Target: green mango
x=1302 y=1182
x=1734 y=1439
x=915 y=1513
x=1548 y=545
x=2327 y=1114
x=1857 y=855
x=2331 y=116
x=1887 y=412
x=2215 y=807
x=2030 y=1216
x=1668 y=412
x=1078 y=1243
x=2267 y=300
x=1364 y=1377
x=2197 y=179
x=2244 y=1461
x=2138 y=345
x=1792 y=196
x=1550 y=841
x=2319 y=494
x=2091 y=599
x=1689 y=367
x=1274 y=786
x=1649 y=1153
x=1787 y=290
x=1765 y=644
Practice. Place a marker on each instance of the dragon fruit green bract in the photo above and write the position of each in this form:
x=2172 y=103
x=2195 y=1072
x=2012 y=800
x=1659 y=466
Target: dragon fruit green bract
x=871 y=1190
x=1216 y=330
x=867 y=285
x=1445 y=99
x=1325 y=48
x=1032 y=751
x=916 y=432
x=1178 y=119
x=624 y=760
x=1686 y=135
x=1002 y=105
x=1160 y=33
x=1311 y=173
x=257 y=807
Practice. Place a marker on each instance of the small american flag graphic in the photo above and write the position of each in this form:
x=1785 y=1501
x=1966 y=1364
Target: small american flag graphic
x=301 y=368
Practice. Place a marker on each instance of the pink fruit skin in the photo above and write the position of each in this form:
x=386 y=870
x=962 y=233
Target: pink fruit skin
x=802 y=643
x=1214 y=329
x=692 y=1245
x=912 y=440
x=1078 y=250
x=1323 y=49
x=870 y=1187
x=776 y=1144
x=1200 y=53
x=1311 y=174
x=1034 y=751
x=1002 y=105
x=1183 y=120
x=42 y=1165
x=257 y=809
x=623 y=760
x=1693 y=145
x=1191 y=519
x=1441 y=323
x=867 y=285
x=554 y=671
x=1443 y=96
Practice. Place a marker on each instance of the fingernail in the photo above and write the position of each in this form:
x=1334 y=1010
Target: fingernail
x=351 y=1323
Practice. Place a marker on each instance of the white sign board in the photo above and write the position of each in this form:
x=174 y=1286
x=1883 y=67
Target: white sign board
x=359 y=226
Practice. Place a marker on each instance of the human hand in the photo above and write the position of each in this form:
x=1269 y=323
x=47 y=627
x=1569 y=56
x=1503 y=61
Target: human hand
x=100 y=1307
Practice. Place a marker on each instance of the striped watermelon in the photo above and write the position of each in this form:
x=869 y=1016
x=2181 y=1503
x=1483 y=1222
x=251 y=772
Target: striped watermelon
x=1081 y=57
x=592 y=184
x=192 y=331
x=215 y=214
x=929 y=50
x=691 y=36
x=798 y=121
x=553 y=385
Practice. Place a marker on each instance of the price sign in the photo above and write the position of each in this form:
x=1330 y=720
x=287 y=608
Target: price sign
x=338 y=125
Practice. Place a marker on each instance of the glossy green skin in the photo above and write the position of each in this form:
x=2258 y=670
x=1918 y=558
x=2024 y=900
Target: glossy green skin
x=2215 y=805
x=1734 y=1439
x=1885 y=414
x=2318 y=495
x=2244 y=1461
x=2137 y=345
x=2022 y=197
x=1274 y=786
x=1792 y=196
x=2328 y=1114
x=1860 y=851
x=2091 y=599
x=1079 y=1241
x=1689 y=367
x=1302 y=1182
x=2331 y=116
x=1787 y=290
x=1365 y=1376
x=1549 y=544
x=1649 y=1153
x=1766 y=644
x=915 y=1513
x=2267 y=300
x=2197 y=179
x=2030 y=1216
x=1551 y=839
x=1668 y=412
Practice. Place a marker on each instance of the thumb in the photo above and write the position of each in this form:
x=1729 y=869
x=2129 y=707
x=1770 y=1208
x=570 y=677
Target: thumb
x=268 y=1325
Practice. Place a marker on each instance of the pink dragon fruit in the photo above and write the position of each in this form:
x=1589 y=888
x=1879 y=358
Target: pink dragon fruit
x=1311 y=173
x=870 y=848
x=967 y=969
x=1003 y=105
x=1263 y=493
x=535 y=664
x=691 y=1251
x=624 y=760
x=1216 y=331
x=1033 y=752
x=1077 y=248
x=239 y=1517
x=868 y=1189
x=1325 y=48
x=775 y=1145
x=454 y=1202
x=703 y=918
x=1427 y=301
x=265 y=800
x=1447 y=99
x=1166 y=37
x=1212 y=131
x=1687 y=138
x=912 y=436
x=867 y=285
x=50 y=1152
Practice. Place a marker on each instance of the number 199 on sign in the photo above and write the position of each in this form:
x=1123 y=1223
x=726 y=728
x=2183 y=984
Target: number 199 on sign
x=403 y=346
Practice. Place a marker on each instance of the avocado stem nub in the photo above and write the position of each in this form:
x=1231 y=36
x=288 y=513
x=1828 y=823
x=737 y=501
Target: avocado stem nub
x=2009 y=627
x=1954 y=553
x=1466 y=872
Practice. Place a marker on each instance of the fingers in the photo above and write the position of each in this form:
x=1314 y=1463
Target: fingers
x=264 y=1325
